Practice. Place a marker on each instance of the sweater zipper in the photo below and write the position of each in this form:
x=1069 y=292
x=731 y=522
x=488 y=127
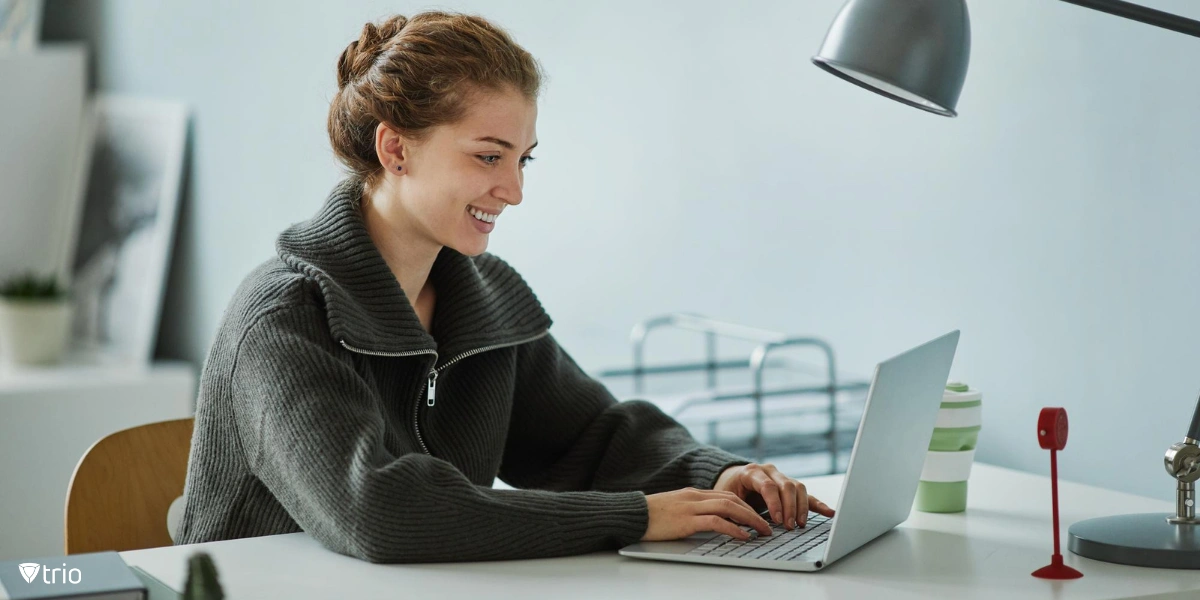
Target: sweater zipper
x=433 y=374
x=417 y=406
x=431 y=382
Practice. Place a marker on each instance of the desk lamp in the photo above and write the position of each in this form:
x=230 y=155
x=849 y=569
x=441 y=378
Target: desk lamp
x=916 y=52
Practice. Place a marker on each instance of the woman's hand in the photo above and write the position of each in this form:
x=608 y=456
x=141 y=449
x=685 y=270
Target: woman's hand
x=786 y=498
x=678 y=514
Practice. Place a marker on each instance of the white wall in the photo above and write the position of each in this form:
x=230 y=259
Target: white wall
x=692 y=158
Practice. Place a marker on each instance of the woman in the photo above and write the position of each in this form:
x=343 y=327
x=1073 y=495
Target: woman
x=369 y=383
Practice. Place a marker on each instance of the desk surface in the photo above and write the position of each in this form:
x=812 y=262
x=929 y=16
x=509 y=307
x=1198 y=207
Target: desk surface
x=987 y=552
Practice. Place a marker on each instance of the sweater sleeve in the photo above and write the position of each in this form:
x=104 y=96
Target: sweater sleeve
x=568 y=432
x=312 y=431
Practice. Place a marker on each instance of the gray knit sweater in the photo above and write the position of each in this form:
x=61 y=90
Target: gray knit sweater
x=326 y=407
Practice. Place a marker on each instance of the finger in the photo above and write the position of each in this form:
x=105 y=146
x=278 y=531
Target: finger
x=820 y=507
x=702 y=495
x=719 y=525
x=788 y=495
x=769 y=490
x=735 y=510
x=803 y=503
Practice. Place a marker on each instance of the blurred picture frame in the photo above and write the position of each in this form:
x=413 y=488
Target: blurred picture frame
x=44 y=140
x=20 y=25
x=126 y=226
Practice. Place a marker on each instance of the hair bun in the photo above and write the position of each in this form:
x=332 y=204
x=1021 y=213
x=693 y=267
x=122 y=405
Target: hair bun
x=361 y=54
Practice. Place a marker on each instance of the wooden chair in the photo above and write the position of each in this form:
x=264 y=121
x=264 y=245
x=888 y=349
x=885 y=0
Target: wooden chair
x=123 y=486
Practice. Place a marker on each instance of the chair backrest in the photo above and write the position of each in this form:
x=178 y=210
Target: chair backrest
x=123 y=487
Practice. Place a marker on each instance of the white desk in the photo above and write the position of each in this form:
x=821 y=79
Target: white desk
x=987 y=552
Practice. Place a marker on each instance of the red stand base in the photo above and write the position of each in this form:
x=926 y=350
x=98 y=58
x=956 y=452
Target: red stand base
x=1057 y=570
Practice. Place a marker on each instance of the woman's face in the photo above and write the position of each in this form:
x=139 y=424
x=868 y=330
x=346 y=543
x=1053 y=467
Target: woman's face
x=467 y=170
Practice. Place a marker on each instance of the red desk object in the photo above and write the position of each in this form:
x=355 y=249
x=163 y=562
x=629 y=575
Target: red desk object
x=1052 y=436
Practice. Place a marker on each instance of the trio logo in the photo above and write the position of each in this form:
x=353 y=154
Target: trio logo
x=29 y=571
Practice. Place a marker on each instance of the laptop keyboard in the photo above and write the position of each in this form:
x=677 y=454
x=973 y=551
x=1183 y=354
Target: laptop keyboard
x=780 y=545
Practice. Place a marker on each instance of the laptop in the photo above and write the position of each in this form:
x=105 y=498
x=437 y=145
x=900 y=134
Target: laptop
x=879 y=486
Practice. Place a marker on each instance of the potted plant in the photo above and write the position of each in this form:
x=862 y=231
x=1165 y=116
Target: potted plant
x=202 y=581
x=35 y=320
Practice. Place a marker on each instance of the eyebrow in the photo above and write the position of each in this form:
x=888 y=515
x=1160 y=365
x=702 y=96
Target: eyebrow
x=501 y=142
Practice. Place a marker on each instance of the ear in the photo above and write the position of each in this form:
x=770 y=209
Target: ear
x=390 y=147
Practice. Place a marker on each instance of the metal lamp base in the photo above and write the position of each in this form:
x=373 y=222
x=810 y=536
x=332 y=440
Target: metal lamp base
x=1143 y=540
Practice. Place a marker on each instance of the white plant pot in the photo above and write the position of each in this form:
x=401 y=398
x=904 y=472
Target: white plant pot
x=34 y=332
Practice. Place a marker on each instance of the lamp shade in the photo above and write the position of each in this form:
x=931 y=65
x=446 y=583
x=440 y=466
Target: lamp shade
x=912 y=51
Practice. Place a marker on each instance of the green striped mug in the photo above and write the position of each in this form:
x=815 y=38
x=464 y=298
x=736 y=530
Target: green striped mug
x=943 y=486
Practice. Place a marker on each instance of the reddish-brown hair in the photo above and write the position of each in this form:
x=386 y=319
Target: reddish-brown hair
x=417 y=73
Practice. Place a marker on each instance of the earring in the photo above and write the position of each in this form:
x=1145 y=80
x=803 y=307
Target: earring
x=399 y=168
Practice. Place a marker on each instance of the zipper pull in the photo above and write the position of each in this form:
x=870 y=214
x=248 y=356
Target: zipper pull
x=430 y=397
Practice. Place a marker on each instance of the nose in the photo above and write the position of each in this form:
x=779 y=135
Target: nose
x=509 y=187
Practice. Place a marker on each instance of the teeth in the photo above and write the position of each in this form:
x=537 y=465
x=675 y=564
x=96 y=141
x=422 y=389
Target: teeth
x=482 y=216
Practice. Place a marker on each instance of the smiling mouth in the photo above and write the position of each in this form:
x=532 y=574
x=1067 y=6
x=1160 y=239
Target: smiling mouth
x=482 y=216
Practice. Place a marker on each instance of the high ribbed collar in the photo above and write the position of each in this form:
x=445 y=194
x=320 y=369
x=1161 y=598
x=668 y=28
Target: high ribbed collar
x=481 y=301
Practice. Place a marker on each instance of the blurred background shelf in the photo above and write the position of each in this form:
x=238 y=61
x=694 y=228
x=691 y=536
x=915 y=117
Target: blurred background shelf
x=773 y=407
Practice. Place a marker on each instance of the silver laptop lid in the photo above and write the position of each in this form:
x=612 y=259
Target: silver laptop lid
x=889 y=451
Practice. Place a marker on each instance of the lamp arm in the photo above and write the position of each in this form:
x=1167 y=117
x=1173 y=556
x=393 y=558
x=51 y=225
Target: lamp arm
x=1166 y=20
x=1145 y=14
x=1194 y=430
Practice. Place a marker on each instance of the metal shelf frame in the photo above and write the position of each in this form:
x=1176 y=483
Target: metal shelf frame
x=765 y=354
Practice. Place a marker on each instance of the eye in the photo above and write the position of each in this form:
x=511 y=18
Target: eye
x=492 y=159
